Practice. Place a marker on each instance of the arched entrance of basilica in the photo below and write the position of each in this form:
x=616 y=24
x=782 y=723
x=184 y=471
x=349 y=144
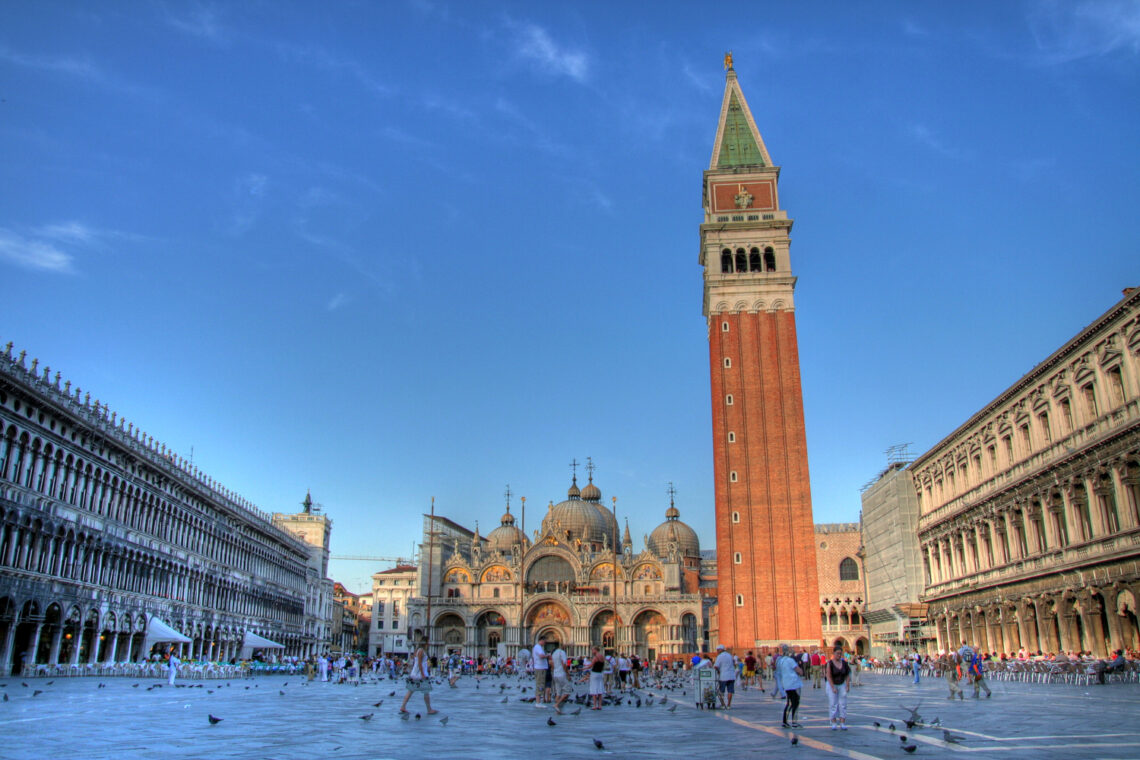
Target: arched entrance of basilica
x=648 y=632
x=450 y=630
x=489 y=628
x=603 y=631
x=549 y=619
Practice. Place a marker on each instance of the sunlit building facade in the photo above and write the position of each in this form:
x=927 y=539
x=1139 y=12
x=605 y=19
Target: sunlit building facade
x=107 y=537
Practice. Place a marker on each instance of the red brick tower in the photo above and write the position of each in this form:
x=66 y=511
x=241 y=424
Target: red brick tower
x=767 y=588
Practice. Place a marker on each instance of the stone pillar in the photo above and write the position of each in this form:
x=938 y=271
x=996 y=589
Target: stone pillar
x=1125 y=502
x=6 y=650
x=984 y=559
x=1114 y=634
x=1011 y=535
x=1090 y=619
x=112 y=648
x=939 y=626
x=56 y=642
x=34 y=649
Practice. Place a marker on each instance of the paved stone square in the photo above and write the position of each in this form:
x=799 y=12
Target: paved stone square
x=73 y=718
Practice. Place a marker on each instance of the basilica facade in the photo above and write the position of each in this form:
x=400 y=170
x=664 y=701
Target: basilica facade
x=575 y=580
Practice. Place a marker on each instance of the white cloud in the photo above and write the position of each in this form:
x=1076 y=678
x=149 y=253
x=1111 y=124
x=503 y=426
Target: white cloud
x=252 y=184
x=1070 y=31
x=322 y=59
x=926 y=137
x=535 y=43
x=30 y=253
x=73 y=67
x=340 y=299
x=199 y=22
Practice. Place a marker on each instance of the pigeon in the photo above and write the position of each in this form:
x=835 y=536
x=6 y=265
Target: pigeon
x=377 y=704
x=37 y=692
x=281 y=692
x=910 y=748
x=550 y=722
x=504 y=700
x=877 y=724
x=285 y=684
x=443 y=721
x=937 y=722
x=950 y=738
x=417 y=716
x=795 y=740
x=133 y=686
x=49 y=683
x=673 y=708
x=598 y=744
x=24 y=684
x=892 y=726
x=213 y=720
x=573 y=713
x=5 y=697
x=209 y=691
x=902 y=738
x=639 y=701
x=367 y=717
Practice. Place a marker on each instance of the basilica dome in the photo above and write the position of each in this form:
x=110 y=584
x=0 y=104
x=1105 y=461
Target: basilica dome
x=576 y=519
x=502 y=538
x=593 y=495
x=676 y=532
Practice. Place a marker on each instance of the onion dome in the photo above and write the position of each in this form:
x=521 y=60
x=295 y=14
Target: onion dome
x=591 y=492
x=573 y=492
x=676 y=532
x=502 y=538
x=575 y=519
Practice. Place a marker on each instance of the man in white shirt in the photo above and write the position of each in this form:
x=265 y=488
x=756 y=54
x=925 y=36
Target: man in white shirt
x=541 y=672
x=561 y=678
x=725 y=666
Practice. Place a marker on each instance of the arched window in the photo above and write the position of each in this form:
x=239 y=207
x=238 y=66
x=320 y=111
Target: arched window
x=769 y=260
x=848 y=570
x=741 y=260
x=754 y=260
x=726 y=261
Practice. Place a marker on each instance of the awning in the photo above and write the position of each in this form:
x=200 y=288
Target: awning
x=157 y=631
x=253 y=641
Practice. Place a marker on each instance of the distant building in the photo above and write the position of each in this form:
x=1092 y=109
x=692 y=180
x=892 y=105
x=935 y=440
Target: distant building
x=893 y=563
x=841 y=586
x=111 y=544
x=1029 y=520
x=315 y=529
x=392 y=593
x=345 y=634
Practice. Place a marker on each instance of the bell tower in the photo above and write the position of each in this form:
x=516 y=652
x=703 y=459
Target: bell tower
x=767 y=588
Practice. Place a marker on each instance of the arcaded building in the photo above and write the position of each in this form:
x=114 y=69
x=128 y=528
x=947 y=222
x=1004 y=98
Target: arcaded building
x=839 y=566
x=1029 y=525
x=111 y=542
x=576 y=579
x=766 y=563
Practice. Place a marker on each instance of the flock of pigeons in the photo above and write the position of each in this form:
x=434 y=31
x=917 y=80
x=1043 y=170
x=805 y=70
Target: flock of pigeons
x=913 y=721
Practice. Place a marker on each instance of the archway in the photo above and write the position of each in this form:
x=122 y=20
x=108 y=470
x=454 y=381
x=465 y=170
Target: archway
x=861 y=646
x=603 y=631
x=489 y=628
x=450 y=629
x=648 y=632
x=550 y=619
x=690 y=632
x=551 y=573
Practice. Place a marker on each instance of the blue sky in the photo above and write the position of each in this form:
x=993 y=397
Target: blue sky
x=413 y=249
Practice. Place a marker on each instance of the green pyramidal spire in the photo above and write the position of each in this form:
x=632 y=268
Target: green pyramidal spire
x=738 y=141
x=738 y=146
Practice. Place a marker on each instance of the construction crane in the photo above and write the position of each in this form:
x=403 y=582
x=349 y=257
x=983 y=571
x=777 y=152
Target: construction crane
x=361 y=558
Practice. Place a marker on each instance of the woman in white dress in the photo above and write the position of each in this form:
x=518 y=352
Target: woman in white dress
x=595 y=672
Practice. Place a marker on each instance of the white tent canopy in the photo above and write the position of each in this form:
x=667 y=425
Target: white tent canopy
x=252 y=641
x=157 y=630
